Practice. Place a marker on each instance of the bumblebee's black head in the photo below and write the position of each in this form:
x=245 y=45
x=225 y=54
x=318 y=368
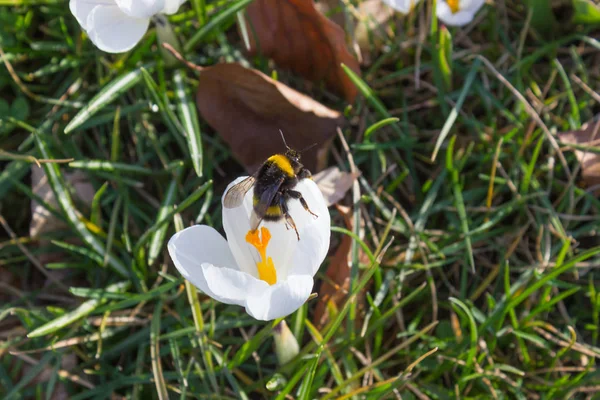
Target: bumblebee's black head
x=294 y=157
x=292 y=154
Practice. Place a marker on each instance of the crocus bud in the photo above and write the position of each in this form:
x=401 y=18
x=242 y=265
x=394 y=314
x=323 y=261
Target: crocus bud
x=165 y=34
x=286 y=345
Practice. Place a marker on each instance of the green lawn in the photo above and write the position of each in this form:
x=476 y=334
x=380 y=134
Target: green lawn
x=472 y=270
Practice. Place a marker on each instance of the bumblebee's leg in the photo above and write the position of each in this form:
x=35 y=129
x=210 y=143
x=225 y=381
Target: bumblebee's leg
x=304 y=173
x=297 y=195
x=289 y=221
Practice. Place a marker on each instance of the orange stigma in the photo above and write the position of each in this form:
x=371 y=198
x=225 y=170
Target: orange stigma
x=266 y=269
x=454 y=6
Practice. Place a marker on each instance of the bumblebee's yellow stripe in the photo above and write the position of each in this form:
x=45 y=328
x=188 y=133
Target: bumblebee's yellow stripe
x=283 y=163
x=274 y=211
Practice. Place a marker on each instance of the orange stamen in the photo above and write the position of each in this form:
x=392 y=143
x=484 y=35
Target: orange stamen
x=266 y=269
x=454 y=6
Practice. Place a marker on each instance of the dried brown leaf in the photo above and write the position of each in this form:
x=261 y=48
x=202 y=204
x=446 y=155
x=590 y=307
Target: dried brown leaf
x=247 y=108
x=588 y=135
x=334 y=184
x=297 y=36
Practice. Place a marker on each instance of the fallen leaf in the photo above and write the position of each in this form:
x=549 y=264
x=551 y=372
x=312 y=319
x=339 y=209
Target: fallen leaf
x=247 y=108
x=297 y=36
x=587 y=136
x=334 y=184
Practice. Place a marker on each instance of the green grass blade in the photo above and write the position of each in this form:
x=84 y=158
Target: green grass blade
x=158 y=238
x=84 y=309
x=191 y=199
x=108 y=94
x=114 y=167
x=189 y=119
x=31 y=374
x=56 y=182
x=159 y=379
x=576 y=117
x=470 y=358
x=214 y=22
x=378 y=125
x=459 y=201
x=454 y=113
x=252 y=345
x=531 y=166
x=168 y=116
x=13 y=171
x=307 y=384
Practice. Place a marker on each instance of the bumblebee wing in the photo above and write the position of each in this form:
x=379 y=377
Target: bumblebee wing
x=260 y=209
x=235 y=195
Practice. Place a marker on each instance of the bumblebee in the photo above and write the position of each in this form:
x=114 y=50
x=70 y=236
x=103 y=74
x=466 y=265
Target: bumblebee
x=274 y=185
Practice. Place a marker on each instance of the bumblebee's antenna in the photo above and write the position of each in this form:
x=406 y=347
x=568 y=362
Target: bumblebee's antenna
x=309 y=147
x=283 y=138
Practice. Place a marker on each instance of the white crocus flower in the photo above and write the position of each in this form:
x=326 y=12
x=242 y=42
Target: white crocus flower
x=268 y=271
x=404 y=6
x=458 y=12
x=116 y=26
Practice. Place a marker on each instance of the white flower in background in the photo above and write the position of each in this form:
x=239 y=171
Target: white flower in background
x=404 y=6
x=450 y=12
x=458 y=12
x=116 y=26
x=268 y=271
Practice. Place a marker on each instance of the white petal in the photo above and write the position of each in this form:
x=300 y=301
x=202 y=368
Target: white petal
x=462 y=17
x=312 y=248
x=195 y=246
x=281 y=299
x=232 y=286
x=404 y=6
x=113 y=31
x=285 y=249
x=171 y=6
x=81 y=9
x=148 y=8
x=141 y=8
